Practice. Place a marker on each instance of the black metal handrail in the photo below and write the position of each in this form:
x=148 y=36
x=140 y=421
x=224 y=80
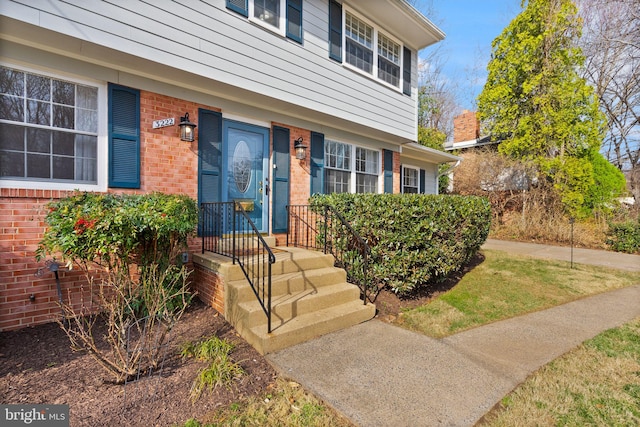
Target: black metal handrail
x=324 y=228
x=227 y=230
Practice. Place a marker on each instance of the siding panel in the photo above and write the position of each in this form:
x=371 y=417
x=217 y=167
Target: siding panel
x=222 y=45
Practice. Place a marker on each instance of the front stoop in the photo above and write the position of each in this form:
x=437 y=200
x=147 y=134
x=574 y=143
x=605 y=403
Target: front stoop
x=310 y=298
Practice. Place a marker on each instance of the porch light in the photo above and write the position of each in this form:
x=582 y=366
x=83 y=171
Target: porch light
x=187 y=129
x=301 y=149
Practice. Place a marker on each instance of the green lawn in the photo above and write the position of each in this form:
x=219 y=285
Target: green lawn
x=597 y=384
x=507 y=285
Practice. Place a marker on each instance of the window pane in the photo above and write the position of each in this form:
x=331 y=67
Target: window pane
x=366 y=183
x=366 y=161
x=11 y=137
x=64 y=92
x=87 y=120
x=11 y=82
x=63 y=167
x=11 y=164
x=86 y=146
x=359 y=57
x=388 y=49
x=38 y=87
x=38 y=166
x=11 y=108
x=86 y=170
x=337 y=181
x=337 y=155
x=39 y=113
x=267 y=11
x=87 y=97
x=358 y=30
x=63 y=143
x=388 y=72
x=63 y=117
x=38 y=141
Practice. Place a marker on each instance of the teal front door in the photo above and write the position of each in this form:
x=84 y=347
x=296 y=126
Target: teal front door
x=246 y=160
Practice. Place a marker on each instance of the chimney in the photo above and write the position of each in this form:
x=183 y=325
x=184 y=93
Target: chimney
x=466 y=126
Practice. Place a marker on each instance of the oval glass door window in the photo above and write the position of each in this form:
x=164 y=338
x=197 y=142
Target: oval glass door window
x=242 y=166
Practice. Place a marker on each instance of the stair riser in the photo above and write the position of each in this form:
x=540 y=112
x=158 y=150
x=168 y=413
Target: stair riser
x=252 y=314
x=243 y=292
x=268 y=344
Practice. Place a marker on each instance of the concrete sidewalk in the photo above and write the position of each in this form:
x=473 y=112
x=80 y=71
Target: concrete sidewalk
x=617 y=260
x=377 y=374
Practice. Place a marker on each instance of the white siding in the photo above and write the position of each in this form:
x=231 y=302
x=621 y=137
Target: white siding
x=206 y=39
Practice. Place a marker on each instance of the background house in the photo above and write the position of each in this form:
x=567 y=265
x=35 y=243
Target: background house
x=91 y=95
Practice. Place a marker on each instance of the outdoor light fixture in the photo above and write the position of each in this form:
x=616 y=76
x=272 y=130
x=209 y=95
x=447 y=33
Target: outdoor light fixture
x=187 y=129
x=301 y=149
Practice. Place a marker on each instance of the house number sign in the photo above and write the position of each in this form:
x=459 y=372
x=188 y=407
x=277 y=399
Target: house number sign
x=163 y=123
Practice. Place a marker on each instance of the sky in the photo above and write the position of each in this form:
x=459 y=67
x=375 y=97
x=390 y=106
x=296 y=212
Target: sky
x=470 y=27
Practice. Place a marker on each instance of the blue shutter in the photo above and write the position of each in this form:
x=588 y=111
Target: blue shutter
x=423 y=183
x=317 y=163
x=388 y=171
x=406 y=71
x=335 y=30
x=294 y=20
x=209 y=168
x=280 y=191
x=239 y=6
x=124 y=137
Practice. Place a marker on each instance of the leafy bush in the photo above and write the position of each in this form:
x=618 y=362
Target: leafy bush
x=624 y=236
x=127 y=246
x=414 y=239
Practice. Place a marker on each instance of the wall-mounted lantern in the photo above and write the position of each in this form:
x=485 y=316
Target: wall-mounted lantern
x=187 y=129
x=301 y=149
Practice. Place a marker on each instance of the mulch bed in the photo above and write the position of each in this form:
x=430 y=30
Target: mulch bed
x=37 y=366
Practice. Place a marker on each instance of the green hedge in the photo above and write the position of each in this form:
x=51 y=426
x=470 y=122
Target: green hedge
x=415 y=239
x=624 y=236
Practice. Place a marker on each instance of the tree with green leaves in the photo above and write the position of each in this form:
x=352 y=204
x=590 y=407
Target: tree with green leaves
x=537 y=104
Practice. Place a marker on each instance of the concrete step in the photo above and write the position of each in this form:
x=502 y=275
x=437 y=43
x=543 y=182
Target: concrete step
x=289 y=283
x=308 y=326
x=288 y=260
x=285 y=307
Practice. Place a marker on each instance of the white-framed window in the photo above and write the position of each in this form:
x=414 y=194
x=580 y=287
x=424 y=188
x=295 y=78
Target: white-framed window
x=269 y=13
x=370 y=50
x=410 y=180
x=52 y=133
x=283 y=17
x=350 y=169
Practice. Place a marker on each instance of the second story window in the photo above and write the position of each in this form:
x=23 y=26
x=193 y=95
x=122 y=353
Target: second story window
x=281 y=16
x=267 y=11
x=360 y=44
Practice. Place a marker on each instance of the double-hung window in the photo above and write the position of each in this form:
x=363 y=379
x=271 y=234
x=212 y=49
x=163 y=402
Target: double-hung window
x=337 y=160
x=358 y=43
x=371 y=51
x=350 y=169
x=367 y=170
x=410 y=180
x=48 y=129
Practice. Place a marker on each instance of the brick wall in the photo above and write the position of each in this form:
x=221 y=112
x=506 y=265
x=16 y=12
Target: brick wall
x=167 y=164
x=466 y=127
x=209 y=287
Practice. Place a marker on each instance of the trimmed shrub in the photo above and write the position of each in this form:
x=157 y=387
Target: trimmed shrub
x=624 y=236
x=127 y=246
x=415 y=239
